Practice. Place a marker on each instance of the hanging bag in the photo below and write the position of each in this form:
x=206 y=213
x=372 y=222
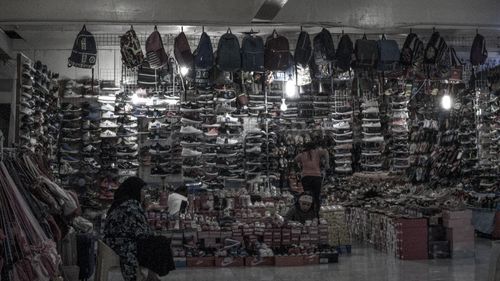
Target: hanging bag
x=277 y=52
x=343 y=56
x=130 y=48
x=182 y=51
x=204 y=54
x=155 y=52
x=84 y=53
x=252 y=53
x=366 y=52
x=478 y=52
x=228 y=52
x=457 y=67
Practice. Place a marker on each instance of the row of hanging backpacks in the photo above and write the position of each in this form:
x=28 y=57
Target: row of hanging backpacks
x=437 y=60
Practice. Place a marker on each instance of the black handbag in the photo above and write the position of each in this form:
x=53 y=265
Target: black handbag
x=154 y=253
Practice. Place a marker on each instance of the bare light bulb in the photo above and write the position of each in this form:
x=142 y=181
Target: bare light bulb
x=184 y=70
x=446 y=102
x=283 y=105
x=291 y=90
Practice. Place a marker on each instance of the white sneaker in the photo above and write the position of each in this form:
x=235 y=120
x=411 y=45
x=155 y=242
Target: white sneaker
x=341 y=125
x=71 y=94
x=190 y=130
x=371 y=110
x=372 y=125
x=226 y=141
x=189 y=121
x=108 y=124
x=108 y=134
x=372 y=103
x=255 y=149
x=107 y=107
x=374 y=139
x=109 y=115
x=156 y=125
x=186 y=152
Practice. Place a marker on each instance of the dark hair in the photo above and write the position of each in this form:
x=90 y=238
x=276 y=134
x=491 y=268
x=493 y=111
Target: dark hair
x=308 y=147
x=130 y=189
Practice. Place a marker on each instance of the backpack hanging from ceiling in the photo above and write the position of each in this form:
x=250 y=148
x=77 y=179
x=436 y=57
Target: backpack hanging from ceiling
x=228 y=52
x=155 y=52
x=130 y=48
x=84 y=53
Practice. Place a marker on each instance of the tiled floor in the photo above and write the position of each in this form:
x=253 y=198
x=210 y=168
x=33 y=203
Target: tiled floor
x=364 y=263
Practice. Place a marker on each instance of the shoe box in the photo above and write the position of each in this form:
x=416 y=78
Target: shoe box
x=259 y=261
x=229 y=261
x=200 y=261
x=293 y=260
x=411 y=239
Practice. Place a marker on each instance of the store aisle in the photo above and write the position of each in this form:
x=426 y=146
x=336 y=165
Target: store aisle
x=364 y=263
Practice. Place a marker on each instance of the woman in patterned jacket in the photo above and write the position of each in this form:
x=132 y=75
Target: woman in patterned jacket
x=126 y=223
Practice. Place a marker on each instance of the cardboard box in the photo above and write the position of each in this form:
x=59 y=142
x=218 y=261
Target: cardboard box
x=200 y=261
x=229 y=261
x=325 y=258
x=464 y=234
x=311 y=259
x=454 y=215
x=289 y=260
x=439 y=249
x=259 y=261
x=180 y=262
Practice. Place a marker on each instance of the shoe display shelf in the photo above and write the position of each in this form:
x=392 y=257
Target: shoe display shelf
x=372 y=140
x=398 y=128
x=81 y=129
x=38 y=118
x=424 y=127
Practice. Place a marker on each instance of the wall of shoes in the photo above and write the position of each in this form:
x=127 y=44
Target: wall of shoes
x=38 y=117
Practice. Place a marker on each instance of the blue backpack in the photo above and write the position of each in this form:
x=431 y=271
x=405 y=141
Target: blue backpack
x=228 y=52
x=204 y=54
x=389 y=55
x=252 y=53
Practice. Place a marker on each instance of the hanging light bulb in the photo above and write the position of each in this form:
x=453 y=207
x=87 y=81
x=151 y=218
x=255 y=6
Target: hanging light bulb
x=283 y=105
x=291 y=89
x=446 y=102
x=184 y=70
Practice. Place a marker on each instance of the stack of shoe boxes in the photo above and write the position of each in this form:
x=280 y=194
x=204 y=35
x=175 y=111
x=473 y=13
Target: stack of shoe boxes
x=460 y=232
x=412 y=239
x=337 y=228
x=400 y=158
x=372 y=141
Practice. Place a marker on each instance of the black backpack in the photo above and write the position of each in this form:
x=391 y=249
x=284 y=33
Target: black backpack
x=277 y=52
x=412 y=51
x=343 y=56
x=366 y=52
x=435 y=49
x=204 y=54
x=252 y=53
x=478 y=52
x=228 y=52
x=388 y=52
x=324 y=50
x=182 y=50
x=303 y=49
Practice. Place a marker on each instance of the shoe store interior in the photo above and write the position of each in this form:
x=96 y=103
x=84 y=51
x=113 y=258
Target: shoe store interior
x=249 y=140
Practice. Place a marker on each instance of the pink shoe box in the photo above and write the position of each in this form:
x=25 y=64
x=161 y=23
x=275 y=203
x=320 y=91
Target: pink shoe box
x=200 y=261
x=289 y=260
x=311 y=259
x=256 y=261
x=229 y=261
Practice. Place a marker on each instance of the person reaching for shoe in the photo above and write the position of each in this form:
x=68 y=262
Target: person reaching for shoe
x=310 y=160
x=126 y=227
x=303 y=209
